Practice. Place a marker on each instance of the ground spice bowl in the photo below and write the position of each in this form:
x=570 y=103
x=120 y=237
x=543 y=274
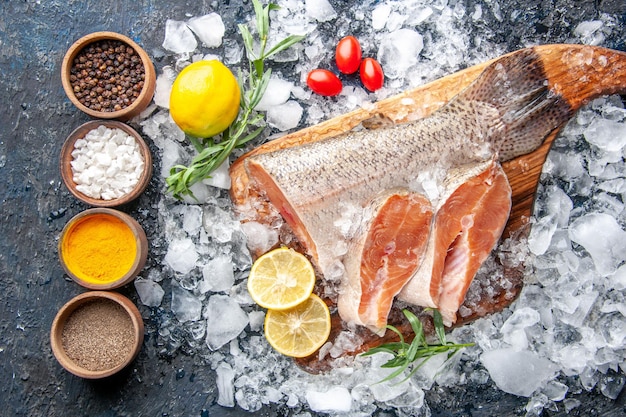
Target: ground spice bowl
x=138 y=105
x=132 y=327
x=66 y=158
x=124 y=248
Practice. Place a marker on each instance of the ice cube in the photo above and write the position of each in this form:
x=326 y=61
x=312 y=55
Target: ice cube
x=514 y=328
x=589 y=32
x=618 y=279
x=541 y=234
x=209 y=29
x=218 y=275
x=607 y=252
x=320 y=10
x=399 y=51
x=285 y=116
x=150 y=293
x=335 y=399
x=225 y=382
x=185 y=305
x=425 y=376
x=518 y=372
x=260 y=238
x=256 y=319
x=178 y=37
x=277 y=93
x=611 y=385
x=380 y=14
x=192 y=219
x=220 y=177
x=218 y=223
x=200 y=193
x=225 y=321
x=608 y=135
x=164 y=87
x=181 y=255
x=555 y=390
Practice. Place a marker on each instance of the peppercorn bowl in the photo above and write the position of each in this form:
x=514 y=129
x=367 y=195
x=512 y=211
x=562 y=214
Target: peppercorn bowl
x=102 y=248
x=96 y=334
x=108 y=76
x=105 y=163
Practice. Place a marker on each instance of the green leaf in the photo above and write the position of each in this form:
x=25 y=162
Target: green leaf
x=248 y=41
x=439 y=328
x=282 y=45
x=258 y=93
x=404 y=355
x=259 y=13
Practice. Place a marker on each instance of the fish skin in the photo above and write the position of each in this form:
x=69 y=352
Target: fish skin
x=506 y=112
x=396 y=227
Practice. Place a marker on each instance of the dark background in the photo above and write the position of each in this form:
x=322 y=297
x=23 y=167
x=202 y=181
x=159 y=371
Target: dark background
x=36 y=117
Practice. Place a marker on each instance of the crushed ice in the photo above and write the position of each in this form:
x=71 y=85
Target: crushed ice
x=565 y=333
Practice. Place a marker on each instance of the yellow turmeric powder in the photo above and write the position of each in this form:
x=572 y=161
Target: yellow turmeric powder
x=99 y=248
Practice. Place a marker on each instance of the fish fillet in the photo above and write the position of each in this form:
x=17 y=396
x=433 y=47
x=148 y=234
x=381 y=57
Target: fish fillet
x=384 y=257
x=466 y=228
x=506 y=112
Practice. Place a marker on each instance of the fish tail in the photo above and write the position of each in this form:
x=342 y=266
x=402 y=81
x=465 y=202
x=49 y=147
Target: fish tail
x=517 y=87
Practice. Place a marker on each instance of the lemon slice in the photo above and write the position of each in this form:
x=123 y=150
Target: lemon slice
x=299 y=331
x=281 y=279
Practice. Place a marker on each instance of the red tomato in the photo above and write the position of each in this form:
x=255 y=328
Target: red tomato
x=348 y=55
x=372 y=75
x=324 y=82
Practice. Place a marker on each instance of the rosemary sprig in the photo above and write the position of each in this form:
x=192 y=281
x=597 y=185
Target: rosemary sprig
x=405 y=354
x=212 y=152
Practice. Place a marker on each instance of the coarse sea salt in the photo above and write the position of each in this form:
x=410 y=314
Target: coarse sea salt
x=106 y=163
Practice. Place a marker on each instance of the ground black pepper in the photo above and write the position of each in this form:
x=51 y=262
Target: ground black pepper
x=107 y=75
x=98 y=335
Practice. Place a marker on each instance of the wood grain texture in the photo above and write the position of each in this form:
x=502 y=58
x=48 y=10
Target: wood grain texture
x=579 y=73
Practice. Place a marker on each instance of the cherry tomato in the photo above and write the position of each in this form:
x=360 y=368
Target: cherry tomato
x=371 y=73
x=348 y=55
x=324 y=82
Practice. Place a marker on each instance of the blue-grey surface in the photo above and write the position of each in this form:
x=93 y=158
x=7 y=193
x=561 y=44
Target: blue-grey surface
x=36 y=117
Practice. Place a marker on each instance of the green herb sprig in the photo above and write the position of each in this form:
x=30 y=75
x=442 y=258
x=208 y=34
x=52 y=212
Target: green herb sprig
x=405 y=354
x=212 y=152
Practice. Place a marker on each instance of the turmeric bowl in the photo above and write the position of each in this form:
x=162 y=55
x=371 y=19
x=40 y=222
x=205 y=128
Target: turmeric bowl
x=103 y=248
x=97 y=334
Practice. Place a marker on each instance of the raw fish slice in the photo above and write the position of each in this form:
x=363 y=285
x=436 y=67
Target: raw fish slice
x=469 y=222
x=425 y=286
x=469 y=226
x=384 y=257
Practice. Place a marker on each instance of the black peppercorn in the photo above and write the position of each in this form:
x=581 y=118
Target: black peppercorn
x=107 y=76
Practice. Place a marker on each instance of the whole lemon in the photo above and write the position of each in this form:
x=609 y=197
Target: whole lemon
x=204 y=99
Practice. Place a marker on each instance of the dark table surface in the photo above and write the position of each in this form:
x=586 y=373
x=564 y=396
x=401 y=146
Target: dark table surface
x=36 y=117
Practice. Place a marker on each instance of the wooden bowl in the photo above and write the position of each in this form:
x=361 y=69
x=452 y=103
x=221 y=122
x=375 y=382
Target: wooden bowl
x=71 y=253
x=68 y=175
x=126 y=113
x=89 y=351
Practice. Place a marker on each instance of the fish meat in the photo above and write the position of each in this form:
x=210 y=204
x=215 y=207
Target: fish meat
x=384 y=257
x=466 y=229
x=422 y=166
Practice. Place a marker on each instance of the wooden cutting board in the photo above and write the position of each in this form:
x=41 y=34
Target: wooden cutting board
x=579 y=73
